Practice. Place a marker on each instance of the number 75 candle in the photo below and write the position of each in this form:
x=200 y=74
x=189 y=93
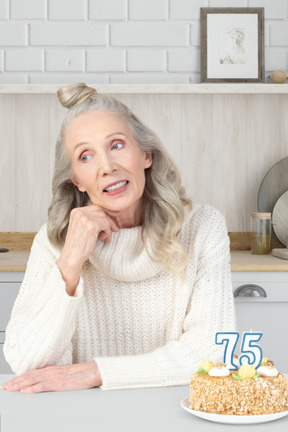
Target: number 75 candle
x=251 y=352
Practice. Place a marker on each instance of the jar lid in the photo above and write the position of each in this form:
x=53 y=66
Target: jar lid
x=261 y=215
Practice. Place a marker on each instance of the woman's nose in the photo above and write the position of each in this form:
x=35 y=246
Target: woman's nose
x=106 y=164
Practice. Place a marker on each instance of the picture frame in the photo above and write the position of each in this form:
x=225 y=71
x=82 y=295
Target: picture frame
x=232 y=45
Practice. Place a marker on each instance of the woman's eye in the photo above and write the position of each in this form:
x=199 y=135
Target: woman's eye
x=85 y=157
x=117 y=146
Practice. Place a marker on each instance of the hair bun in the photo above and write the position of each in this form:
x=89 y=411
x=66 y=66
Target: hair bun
x=72 y=95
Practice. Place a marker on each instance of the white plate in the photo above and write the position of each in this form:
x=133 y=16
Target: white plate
x=233 y=419
x=274 y=184
x=279 y=218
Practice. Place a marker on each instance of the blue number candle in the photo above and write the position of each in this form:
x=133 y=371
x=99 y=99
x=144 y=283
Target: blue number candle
x=231 y=339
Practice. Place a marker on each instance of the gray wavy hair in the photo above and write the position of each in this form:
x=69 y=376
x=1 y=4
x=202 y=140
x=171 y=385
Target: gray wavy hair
x=164 y=200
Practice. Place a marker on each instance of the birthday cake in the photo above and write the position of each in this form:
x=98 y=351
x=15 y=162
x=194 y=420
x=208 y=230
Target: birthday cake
x=245 y=391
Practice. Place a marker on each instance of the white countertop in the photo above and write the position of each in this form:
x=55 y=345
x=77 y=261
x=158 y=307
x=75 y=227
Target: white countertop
x=138 y=410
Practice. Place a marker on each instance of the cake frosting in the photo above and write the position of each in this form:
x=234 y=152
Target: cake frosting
x=246 y=391
x=267 y=372
x=267 y=369
x=219 y=370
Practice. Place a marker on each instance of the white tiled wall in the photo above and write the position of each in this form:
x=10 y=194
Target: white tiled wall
x=118 y=41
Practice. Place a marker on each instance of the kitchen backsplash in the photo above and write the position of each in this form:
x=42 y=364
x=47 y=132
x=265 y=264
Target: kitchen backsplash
x=118 y=41
x=223 y=144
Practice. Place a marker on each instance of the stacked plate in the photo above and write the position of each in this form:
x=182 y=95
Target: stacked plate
x=273 y=198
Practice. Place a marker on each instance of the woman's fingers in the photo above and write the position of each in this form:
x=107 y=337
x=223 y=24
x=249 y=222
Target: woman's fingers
x=105 y=236
x=56 y=378
x=92 y=220
x=86 y=226
x=21 y=381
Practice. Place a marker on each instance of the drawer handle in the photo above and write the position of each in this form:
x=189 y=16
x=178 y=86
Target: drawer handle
x=250 y=290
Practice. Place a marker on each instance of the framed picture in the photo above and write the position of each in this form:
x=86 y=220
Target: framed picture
x=232 y=45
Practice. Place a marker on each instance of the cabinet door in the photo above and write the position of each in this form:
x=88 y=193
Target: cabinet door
x=269 y=318
x=266 y=314
x=8 y=294
x=4 y=367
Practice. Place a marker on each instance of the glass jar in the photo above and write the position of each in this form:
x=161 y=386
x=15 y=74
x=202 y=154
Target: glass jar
x=261 y=233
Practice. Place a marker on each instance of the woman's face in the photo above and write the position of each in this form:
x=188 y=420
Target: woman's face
x=108 y=163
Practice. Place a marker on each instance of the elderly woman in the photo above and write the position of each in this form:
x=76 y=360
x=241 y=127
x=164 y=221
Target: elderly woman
x=129 y=281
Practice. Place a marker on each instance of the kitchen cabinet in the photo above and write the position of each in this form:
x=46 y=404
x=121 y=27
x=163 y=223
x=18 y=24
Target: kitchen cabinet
x=264 y=307
x=267 y=314
x=9 y=287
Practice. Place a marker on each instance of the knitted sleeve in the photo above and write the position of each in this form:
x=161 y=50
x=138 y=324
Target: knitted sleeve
x=42 y=321
x=211 y=310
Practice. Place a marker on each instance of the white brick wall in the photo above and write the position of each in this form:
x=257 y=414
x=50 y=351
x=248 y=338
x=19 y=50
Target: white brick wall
x=68 y=60
x=106 y=60
x=13 y=34
x=3 y=9
x=68 y=34
x=186 y=9
x=107 y=9
x=148 y=9
x=118 y=41
x=24 y=59
x=150 y=34
x=28 y=9
x=146 y=60
x=67 y=10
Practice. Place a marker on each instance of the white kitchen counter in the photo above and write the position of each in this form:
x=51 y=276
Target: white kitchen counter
x=137 y=410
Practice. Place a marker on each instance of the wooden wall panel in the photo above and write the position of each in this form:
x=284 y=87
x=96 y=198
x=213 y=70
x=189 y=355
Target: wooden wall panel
x=56 y=115
x=197 y=146
x=138 y=104
x=229 y=159
x=164 y=117
x=263 y=142
x=7 y=163
x=32 y=161
x=223 y=144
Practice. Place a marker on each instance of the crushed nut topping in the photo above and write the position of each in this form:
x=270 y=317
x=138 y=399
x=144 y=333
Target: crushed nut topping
x=223 y=395
x=219 y=365
x=269 y=363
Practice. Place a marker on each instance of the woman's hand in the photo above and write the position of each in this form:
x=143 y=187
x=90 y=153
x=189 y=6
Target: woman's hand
x=56 y=378
x=86 y=225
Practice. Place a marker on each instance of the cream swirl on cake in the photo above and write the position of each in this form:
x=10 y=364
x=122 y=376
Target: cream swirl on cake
x=267 y=369
x=219 y=370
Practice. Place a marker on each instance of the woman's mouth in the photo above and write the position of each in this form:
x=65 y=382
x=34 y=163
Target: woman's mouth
x=116 y=187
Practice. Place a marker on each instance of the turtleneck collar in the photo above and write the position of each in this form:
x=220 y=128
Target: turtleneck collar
x=125 y=258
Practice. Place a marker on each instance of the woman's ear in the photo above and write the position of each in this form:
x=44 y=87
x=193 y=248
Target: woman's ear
x=77 y=184
x=148 y=159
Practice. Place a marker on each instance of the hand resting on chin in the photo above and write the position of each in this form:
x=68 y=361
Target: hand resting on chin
x=86 y=225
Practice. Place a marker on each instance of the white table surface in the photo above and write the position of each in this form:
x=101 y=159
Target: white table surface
x=139 y=410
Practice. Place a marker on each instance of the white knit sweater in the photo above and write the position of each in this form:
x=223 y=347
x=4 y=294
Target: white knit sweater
x=143 y=326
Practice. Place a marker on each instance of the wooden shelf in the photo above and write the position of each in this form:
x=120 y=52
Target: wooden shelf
x=244 y=261
x=241 y=261
x=221 y=88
